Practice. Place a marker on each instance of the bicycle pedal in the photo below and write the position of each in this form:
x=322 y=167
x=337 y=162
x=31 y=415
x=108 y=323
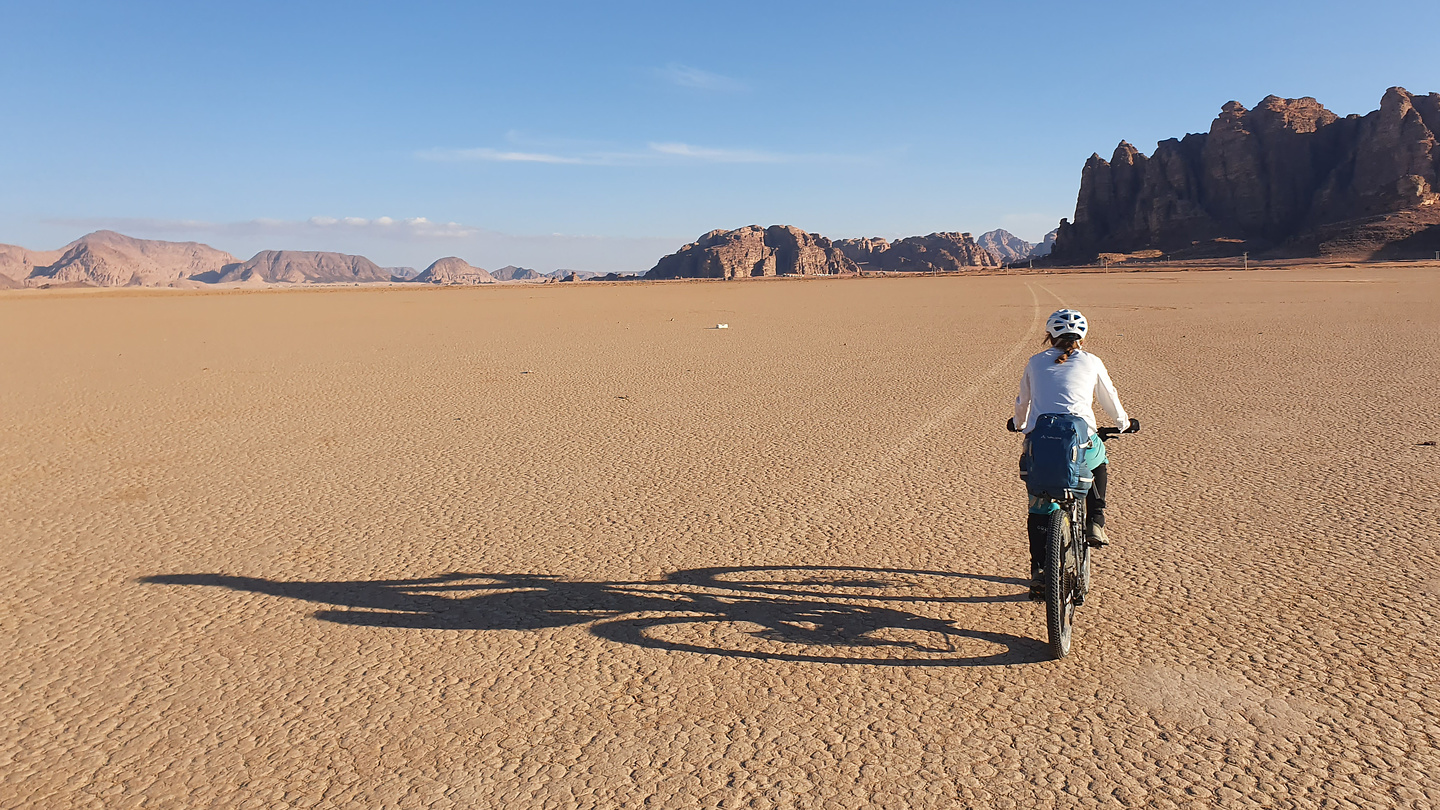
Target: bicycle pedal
x=1095 y=542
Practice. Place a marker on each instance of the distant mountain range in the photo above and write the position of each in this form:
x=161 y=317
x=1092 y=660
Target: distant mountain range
x=110 y=259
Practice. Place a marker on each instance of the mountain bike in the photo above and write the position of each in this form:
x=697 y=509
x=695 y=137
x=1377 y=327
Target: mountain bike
x=1067 y=557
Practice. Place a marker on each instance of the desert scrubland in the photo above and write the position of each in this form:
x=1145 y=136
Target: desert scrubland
x=570 y=546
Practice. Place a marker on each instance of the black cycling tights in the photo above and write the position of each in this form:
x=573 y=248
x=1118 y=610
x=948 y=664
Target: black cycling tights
x=1094 y=510
x=1095 y=498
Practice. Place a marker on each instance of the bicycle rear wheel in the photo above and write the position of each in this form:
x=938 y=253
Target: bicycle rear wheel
x=1060 y=580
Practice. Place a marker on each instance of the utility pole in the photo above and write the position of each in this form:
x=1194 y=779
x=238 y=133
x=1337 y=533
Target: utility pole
x=1246 y=256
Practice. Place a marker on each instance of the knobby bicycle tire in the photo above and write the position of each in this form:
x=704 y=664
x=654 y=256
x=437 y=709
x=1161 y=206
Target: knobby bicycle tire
x=1058 y=600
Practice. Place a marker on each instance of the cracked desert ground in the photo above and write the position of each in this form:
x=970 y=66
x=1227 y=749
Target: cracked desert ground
x=571 y=546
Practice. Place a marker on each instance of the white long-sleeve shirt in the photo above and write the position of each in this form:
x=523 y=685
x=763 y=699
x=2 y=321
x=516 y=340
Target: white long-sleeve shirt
x=1069 y=387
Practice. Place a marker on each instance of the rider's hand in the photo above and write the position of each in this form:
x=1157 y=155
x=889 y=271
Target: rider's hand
x=1123 y=425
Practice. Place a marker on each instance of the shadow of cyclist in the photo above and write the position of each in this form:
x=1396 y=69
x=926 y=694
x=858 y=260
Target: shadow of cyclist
x=826 y=617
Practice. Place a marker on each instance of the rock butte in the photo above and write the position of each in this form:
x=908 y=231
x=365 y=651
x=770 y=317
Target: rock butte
x=784 y=250
x=1289 y=178
x=779 y=250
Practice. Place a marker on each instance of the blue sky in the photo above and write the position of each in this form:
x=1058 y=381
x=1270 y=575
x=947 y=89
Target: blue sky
x=602 y=135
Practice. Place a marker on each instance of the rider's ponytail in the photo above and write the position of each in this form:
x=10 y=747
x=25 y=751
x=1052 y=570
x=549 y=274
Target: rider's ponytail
x=1067 y=344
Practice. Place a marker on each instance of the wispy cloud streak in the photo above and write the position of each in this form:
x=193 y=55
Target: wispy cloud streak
x=710 y=155
x=405 y=229
x=696 y=79
x=654 y=154
x=497 y=155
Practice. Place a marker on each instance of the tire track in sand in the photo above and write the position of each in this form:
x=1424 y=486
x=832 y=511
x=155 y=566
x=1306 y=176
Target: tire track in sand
x=892 y=459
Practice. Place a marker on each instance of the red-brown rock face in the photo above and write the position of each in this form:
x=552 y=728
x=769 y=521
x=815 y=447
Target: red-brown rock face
x=754 y=251
x=1273 y=177
x=937 y=252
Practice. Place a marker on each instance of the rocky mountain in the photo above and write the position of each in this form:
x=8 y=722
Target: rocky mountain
x=1046 y=245
x=17 y=264
x=303 y=267
x=1006 y=246
x=109 y=259
x=937 y=252
x=401 y=273
x=1288 y=177
x=512 y=273
x=779 y=250
x=564 y=275
x=452 y=270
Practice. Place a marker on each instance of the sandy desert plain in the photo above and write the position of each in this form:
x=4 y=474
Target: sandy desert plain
x=571 y=546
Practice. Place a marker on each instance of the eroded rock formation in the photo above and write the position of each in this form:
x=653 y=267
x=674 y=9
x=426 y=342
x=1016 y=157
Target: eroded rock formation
x=937 y=252
x=779 y=250
x=453 y=270
x=1279 y=177
x=304 y=266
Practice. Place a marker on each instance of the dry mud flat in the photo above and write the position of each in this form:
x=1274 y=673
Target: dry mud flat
x=567 y=547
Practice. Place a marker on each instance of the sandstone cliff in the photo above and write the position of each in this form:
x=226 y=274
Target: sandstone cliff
x=303 y=266
x=779 y=250
x=937 y=252
x=453 y=270
x=1284 y=177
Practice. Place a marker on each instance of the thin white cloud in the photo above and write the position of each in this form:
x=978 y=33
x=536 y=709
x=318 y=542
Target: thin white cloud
x=501 y=156
x=405 y=229
x=697 y=79
x=706 y=154
x=654 y=154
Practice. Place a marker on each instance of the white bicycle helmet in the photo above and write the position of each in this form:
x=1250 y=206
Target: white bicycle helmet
x=1066 y=322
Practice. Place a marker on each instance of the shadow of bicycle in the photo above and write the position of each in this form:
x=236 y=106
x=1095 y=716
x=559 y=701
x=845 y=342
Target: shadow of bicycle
x=822 y=614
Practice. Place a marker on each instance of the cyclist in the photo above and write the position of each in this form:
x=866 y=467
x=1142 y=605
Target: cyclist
x=1066 y=379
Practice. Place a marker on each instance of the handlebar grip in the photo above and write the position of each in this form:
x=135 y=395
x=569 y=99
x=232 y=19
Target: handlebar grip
x=1134 y=426
x=1010 y=425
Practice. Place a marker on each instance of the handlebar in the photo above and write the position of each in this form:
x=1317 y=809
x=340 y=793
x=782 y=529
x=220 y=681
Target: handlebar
x=1110 y=432
x=1104 y=432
